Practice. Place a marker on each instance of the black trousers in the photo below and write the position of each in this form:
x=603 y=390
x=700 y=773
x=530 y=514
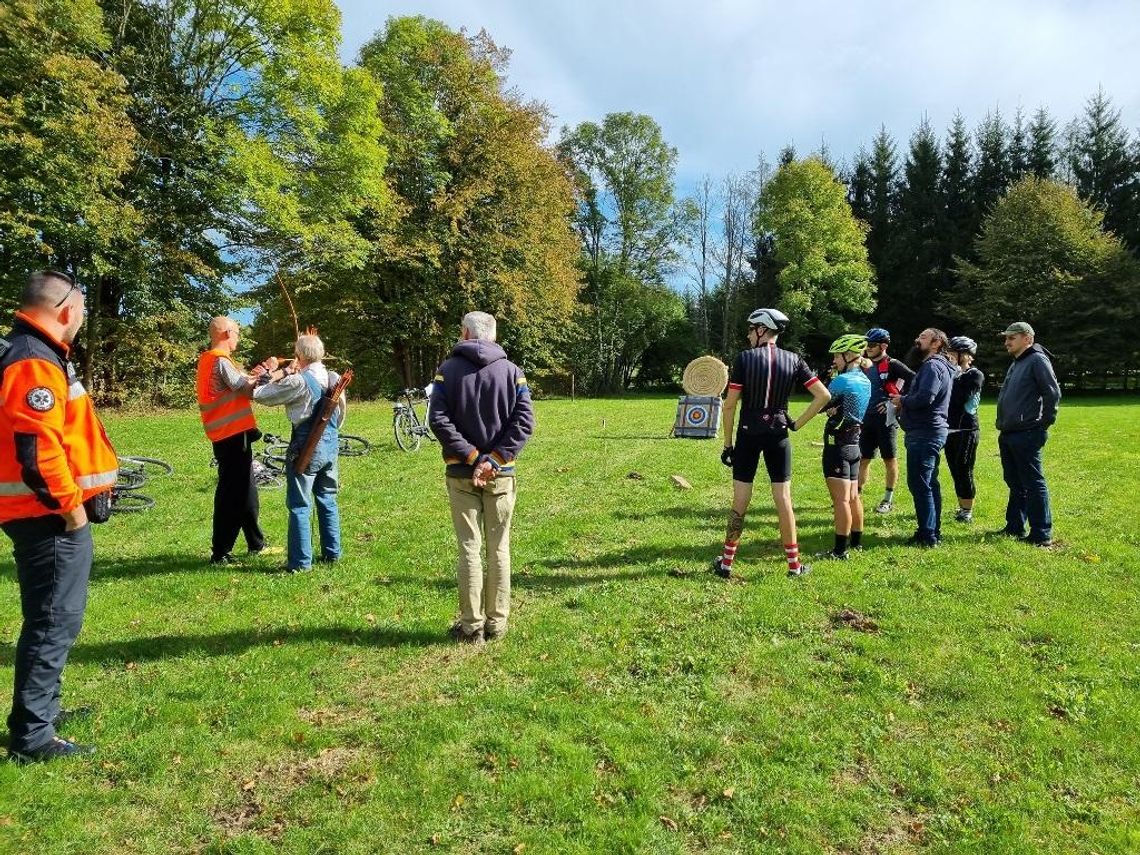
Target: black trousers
x=53 y=567
x=235 y=498
x=961 y=454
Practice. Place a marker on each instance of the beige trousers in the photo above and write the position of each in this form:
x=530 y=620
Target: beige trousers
x=483 y=513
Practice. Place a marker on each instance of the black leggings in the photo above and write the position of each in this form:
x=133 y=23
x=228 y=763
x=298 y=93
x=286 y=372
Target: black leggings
x=961 y=452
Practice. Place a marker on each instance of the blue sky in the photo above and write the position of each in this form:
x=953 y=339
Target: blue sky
x=728 y=78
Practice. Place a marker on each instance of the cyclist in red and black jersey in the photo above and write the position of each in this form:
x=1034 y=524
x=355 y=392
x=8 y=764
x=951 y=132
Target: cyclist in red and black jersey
x=761 y=380
x=887 y=376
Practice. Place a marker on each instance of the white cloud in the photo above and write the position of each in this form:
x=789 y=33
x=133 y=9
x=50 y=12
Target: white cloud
x=729 y=78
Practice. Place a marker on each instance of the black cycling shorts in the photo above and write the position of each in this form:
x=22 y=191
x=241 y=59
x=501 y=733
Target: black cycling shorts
x=841 y=461
x=877 y=437
x=777 y=451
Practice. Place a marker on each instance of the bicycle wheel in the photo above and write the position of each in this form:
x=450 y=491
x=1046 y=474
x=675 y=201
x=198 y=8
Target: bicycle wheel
x=130 y=503
x=404 y=424
x=149 y=465
x=354 y=446
x=129 y=479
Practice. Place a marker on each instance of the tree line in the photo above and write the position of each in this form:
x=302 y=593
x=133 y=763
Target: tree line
x=165 y=149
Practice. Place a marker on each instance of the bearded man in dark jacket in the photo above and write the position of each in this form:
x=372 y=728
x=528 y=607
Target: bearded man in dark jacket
x=481 y=412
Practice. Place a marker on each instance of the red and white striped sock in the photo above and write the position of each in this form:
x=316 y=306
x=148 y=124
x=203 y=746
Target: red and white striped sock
x=792 y=553
x=729 y=554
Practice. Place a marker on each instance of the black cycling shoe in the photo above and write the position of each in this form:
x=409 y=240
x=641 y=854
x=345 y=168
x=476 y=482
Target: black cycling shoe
x=719 y=569
x=56 y=749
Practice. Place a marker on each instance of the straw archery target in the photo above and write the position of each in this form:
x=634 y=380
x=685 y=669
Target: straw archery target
x=705 y=375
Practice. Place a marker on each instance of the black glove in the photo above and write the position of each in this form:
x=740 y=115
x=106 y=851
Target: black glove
x=726 y=456
x=792 y=425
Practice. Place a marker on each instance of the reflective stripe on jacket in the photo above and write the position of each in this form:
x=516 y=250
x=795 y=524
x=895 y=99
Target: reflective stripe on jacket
x=224 y=413
x=54 y=452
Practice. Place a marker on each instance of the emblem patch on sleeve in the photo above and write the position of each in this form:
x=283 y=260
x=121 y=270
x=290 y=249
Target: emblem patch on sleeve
x=41 y=399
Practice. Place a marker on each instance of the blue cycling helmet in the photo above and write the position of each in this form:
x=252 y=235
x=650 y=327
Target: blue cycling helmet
x=878 y=335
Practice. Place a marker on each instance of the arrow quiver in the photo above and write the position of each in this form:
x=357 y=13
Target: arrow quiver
x=305 y=455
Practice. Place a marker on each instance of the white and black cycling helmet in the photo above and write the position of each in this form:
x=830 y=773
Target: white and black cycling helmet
x=964 y=344
x=772 y=319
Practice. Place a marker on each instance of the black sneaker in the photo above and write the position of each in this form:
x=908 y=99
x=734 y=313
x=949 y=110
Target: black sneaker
x=1044 y=543
x=457 y=634
x=719 y=569
x=55 y=750
x=1005 y=532
x=65 y=716
x=223 y=559
x=802 y=570
x=832 y=555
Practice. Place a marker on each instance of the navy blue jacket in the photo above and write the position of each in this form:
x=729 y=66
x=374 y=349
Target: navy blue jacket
x=926 y=404
x=480 y=408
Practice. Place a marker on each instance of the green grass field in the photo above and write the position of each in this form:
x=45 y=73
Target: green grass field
x=990 y=703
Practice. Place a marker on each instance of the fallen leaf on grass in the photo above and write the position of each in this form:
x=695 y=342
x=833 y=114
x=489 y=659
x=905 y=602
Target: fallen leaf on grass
x=370 y=618
x=680 y=482
x=728 y=792
x=518 y=850
x=670 y=824
x=7 y=821
x=434 y=840
x=248 y=786
x=457 y=802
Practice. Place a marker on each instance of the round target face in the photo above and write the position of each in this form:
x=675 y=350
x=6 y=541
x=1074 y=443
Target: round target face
x=697 y=415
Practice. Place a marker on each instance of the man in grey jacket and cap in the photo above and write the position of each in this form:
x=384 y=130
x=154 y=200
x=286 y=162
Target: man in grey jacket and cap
x=1026 y=408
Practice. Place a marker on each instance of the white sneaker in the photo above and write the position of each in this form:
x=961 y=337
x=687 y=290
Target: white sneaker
x=884 y=507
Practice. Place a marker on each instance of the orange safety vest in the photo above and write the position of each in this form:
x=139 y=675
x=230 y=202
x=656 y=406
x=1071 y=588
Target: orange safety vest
x=226 y=413
x=54 y=452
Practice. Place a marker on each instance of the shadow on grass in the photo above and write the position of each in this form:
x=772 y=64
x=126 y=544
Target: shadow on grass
x=159 y=647
x=758 y=514
x=631 y=436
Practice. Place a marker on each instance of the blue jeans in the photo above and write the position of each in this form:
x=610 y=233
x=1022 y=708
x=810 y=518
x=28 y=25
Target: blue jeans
x=1028 y=495
x=323 y=488
x=52 y=567
x=922 y=450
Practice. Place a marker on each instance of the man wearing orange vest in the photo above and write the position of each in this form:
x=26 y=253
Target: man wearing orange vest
x=224 y=403
x=54 y=458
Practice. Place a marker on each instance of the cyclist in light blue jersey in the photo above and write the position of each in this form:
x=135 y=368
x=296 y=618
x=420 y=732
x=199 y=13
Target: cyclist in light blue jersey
x=850 y=396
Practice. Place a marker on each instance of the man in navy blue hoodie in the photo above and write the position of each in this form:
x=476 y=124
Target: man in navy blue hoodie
x=923 y=412
x=482 y=414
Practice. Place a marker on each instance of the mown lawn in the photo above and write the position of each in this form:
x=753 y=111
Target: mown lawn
x=989 y=703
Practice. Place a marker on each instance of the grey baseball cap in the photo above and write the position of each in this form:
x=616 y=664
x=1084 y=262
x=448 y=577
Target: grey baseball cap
x=1018 y=328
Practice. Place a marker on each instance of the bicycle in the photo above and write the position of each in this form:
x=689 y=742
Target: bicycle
x=269 y=464
x=407 y=425
x=354 y=446
x=134 y=472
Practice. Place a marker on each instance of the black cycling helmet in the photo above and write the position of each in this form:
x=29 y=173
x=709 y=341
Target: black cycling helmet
x=772 y=319
x=878 y=335
x=964 y=344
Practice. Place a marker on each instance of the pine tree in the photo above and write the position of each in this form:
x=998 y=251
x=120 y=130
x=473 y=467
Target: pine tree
x=908 y=300
x=1105 y=168
x=883 y=206
x=1043 y=144
x=787 y=154
x=1018 y=147
x=858 y=182
x=992 y=175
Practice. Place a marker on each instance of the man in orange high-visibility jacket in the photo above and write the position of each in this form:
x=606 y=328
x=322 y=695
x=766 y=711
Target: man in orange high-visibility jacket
x=54 y=457
x=224 y=403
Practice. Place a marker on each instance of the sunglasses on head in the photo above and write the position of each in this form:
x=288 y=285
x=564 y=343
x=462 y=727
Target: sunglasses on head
x=69 y=280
